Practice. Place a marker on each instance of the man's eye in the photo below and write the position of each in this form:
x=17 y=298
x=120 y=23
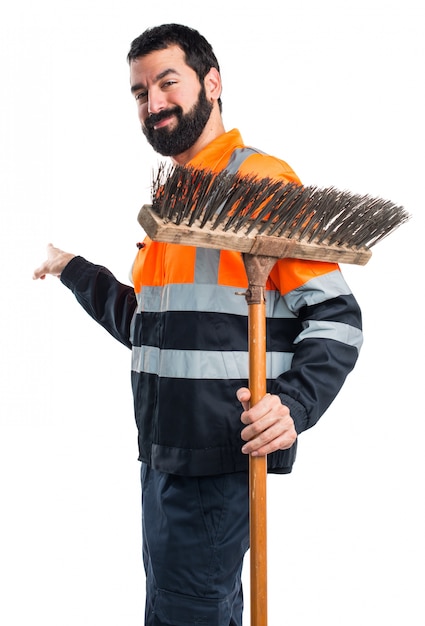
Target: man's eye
x=141 y=96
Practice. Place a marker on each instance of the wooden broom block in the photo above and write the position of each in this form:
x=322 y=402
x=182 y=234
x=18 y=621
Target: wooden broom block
x=263 y=245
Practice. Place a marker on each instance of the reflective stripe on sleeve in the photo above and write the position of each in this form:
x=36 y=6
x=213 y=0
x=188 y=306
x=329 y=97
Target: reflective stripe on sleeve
x=344 y=333
x=317 y=290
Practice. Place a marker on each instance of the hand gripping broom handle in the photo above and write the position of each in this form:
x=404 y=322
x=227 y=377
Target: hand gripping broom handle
x=257 y=269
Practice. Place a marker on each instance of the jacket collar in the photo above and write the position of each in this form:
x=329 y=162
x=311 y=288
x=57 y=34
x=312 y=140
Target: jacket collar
x=216 y=154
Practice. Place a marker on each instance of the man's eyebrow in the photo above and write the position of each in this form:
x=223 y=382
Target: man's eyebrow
x=161 y=75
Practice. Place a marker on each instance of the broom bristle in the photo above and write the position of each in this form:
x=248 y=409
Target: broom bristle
x=246 y=204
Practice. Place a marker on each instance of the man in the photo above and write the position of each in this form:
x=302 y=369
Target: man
x=188 y=334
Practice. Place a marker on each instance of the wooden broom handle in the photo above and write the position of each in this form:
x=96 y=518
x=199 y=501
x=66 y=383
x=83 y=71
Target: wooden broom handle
x=257 y=269
x=258 y=470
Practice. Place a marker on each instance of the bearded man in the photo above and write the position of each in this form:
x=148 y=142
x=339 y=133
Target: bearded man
x=188 y=336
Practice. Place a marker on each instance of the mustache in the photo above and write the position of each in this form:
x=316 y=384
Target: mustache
x=154 y=118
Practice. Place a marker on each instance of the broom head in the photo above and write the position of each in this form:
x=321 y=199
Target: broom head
x=197 y=207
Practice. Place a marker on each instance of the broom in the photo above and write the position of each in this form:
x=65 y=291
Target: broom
x=265 y=220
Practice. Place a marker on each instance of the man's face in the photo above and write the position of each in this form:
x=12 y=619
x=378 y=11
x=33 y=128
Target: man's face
x=172 y=106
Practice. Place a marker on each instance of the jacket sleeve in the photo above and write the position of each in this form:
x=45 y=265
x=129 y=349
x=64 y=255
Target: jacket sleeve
x=111 y=303
x=327 y=348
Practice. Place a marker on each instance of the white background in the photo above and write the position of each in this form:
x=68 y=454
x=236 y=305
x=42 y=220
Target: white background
x=336 y=88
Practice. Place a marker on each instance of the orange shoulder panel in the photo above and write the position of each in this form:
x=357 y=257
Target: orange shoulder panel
x=289 y=274
x=266 y=166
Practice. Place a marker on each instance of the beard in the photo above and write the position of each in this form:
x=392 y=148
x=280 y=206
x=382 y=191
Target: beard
x=187 y=131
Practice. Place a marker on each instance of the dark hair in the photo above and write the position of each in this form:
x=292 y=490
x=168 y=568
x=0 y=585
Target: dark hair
x=198 y=52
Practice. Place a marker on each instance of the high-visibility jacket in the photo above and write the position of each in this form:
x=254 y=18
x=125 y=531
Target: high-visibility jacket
x=187 y=329
x=189 y=339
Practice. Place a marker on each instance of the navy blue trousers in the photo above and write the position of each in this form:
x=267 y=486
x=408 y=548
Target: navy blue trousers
x=195 y=536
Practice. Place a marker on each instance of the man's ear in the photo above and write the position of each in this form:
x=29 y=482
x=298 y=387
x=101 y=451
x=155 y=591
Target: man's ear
x=212 y=82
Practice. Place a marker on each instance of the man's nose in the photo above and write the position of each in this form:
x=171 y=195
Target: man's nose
x=156 y=101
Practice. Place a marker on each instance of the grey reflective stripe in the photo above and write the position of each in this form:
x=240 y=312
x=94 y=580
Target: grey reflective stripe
x=238 y=157
x=206 y=266
x=318 y=289
x=224 y=299
x=206 y=298
x=344 y=333
x=198 y=364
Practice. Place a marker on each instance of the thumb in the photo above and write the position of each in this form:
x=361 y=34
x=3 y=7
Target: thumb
x=244 y=395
